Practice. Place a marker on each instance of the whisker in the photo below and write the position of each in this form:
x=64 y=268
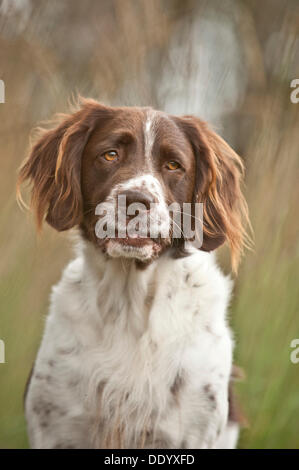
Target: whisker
x=186 y=213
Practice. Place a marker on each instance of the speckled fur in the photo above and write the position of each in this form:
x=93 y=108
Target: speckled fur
x=115 y=370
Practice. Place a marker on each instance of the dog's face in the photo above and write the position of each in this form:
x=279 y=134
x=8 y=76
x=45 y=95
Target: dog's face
x=141 y=157
x=104 y=164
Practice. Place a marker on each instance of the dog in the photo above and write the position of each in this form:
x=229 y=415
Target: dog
x=137 y=351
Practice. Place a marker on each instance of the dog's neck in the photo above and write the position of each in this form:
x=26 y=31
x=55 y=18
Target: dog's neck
x=124 y=292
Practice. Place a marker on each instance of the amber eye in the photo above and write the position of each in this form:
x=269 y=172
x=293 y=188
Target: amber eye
x=110 y=156
x=172 y=165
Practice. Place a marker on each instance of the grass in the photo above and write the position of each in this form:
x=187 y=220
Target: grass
x=265 y=308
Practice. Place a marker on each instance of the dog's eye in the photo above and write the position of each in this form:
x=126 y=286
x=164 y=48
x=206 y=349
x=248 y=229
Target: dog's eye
x=172 y=165
x=110 y=156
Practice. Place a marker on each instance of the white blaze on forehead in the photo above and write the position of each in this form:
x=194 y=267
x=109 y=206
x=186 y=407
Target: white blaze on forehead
x=149 y=129
x=145 y=182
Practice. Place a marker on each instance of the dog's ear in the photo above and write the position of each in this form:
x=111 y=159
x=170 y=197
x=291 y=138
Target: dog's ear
x=219 y=171
x=54 y=167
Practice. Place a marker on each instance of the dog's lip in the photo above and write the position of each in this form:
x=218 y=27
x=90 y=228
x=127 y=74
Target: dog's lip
x=134 y=241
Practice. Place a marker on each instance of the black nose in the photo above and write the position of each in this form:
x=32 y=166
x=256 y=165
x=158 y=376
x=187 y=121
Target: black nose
x=136 y=196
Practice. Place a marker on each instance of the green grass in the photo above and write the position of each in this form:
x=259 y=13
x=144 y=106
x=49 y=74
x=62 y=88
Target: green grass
x=266 y=318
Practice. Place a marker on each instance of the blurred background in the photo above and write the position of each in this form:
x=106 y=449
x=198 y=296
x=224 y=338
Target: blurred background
x=230 y=62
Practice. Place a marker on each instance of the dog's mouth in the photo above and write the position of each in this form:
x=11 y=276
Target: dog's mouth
x=133 y=246
x=141 y=237
x=136 y=241
x=143 y=249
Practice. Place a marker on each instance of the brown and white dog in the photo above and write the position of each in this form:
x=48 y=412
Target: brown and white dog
x=137 y=351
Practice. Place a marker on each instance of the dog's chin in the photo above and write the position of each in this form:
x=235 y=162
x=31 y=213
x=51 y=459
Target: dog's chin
x=141 y=249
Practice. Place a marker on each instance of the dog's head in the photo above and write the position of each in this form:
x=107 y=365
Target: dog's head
x=101 y=165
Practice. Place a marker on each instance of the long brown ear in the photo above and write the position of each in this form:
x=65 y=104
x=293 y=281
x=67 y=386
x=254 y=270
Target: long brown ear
x=219 y=171
x=54 y=166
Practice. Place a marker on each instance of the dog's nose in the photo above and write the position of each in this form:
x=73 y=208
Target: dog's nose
x=133 y=196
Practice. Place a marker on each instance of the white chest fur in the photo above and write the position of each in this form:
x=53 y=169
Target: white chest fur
x=133 y=357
